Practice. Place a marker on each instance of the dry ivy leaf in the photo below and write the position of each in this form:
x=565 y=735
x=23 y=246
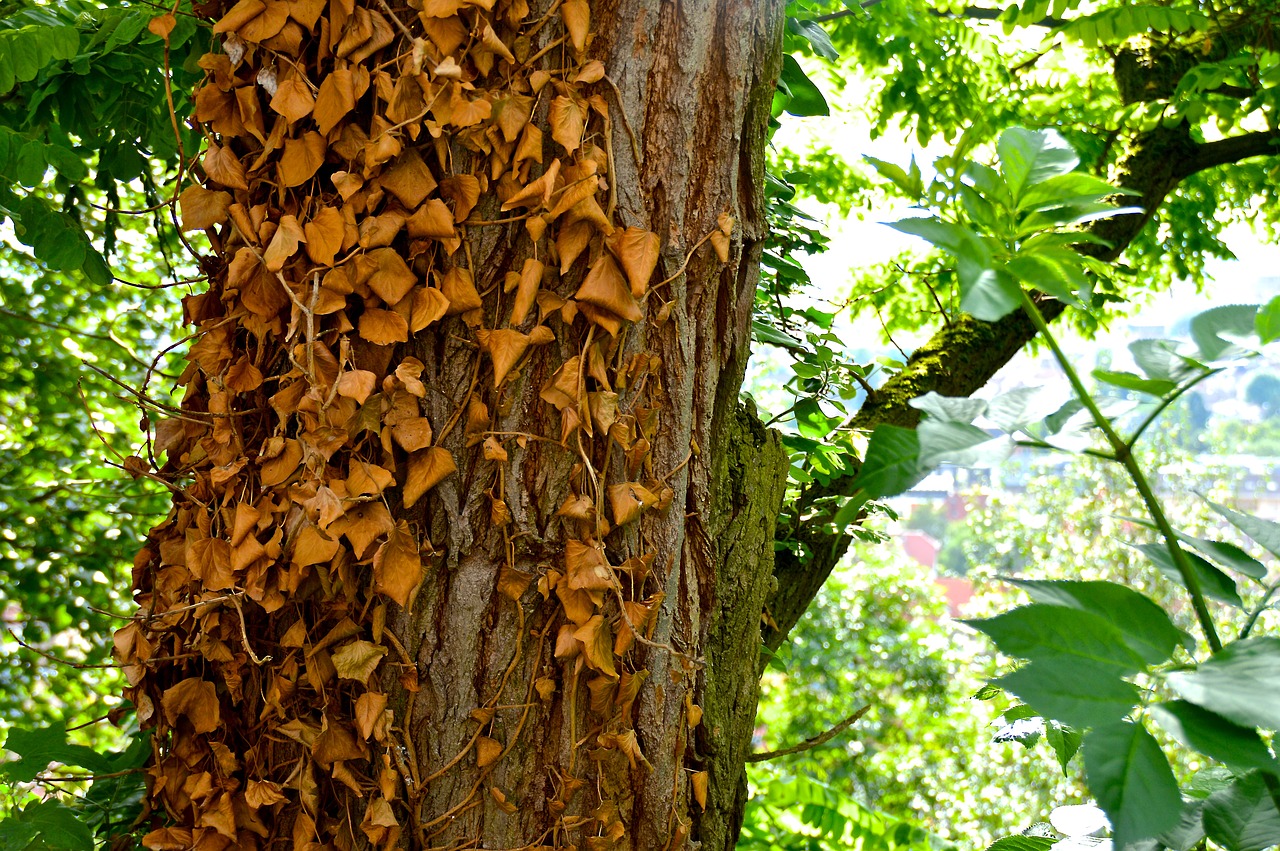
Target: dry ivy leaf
x=383 y=327
x=725 y=223
x=505 y=348
x=530 y=145
x=397 y=565
x=577 y=20
x=592 y=72
x=628 y=500
x=162 y=25
x=409 y=179
x=562 y=389
x=222 y=166
x=637 y=250
x=459 y=288
x=284 y=243
x=432 y=220
x=202 y=208
x=336 y=743
x=493 y=450
x=301 y=159
x=282 y=466
x=168 y=839
x=571 y=242
x=379 y=824
x=346 y=183
x=426 y=470
x=536 y=193
x=698 y=780
x=357 y=661
x=263 y=793
x=546 y=687
x=369 y=713
x=306 y=12
x=239 y=15
x=604 y=287
x=429 y=304
x=597 y=645
x=324 y=235
x=357 y=384
x=526 y=290
x=487 y=751
x=293 y=99
x=464 y=112
x=362 y=525
x=413 y=434
x=464 y=191
x=567 y=121
x=365 y=478
x=513 y=583
x=511 y=114
x=393 y=279
x=380 y=230
x=586 y=568
x=720 y=243
x=311 y=546
x=267 y=24
x=567 y=646
x=336 y=98
x=195 y=699
x=603 y=405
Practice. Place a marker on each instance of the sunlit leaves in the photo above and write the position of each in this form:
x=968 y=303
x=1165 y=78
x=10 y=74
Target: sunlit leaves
x=1132 y=781
x=1241 y=683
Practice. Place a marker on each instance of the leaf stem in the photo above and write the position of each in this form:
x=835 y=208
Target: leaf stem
x=1124 y=454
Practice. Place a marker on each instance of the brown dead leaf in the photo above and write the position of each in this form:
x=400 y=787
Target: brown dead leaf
x=324 y=235
x=311 y=546
x=459 y=288
x=586 y=567
x=505 y=348
x=567 y=121
x=357 y=660
x=301 y=158
x=369 y=713
x=357 y=384
x=426 y=470
x=336 y=98
x=222 y=166
x=637 y=250
x=284 y=243
x=597 y=645
x=409 y=179
x=195 y=699
x=487 y=751
x=393 y=279
x=577 y=20
x=202 y=208
x=383 y=327
x=293 y=99
x=397 y=566
x=429 y=304
x=604 y=287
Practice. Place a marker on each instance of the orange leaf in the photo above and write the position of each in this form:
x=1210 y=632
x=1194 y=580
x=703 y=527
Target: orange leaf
x=637 y=250
x=324 y=235
x=460 y=289
x=336 y=97
x=357 y=660
x=487 y=751
x=196 y=700
x=432 y=220
x=426 y=470
x=222 y=166
x=597 y=645
x=413 y=434
x=301 y=159
x=526 y=290
x=369 y=712
x=464 y=191
x=284 y=243
x=366 y=478
x=393 y=279
x=429 y=304
x=162 y=25
x=586 y=568
x=311 y=546
x=505 y=347
x=293 y=99
x=202 y=208
x=577 y=20
x=383 y=327
x=397 y=566
x=409 y=179
x=605 y=288
x=567 y=122
x=357 y=384
x=239 y=15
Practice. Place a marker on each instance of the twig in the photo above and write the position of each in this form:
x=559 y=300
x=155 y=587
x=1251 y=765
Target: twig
x=809 y=744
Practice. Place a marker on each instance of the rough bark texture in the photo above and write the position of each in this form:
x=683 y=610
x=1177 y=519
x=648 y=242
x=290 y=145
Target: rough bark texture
x=556 y=600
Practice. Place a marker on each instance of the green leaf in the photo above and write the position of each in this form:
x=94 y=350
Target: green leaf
x=1243 y=817
x=1214 y=584
x=1267 y=323
x=1067 y=190
x=1129 y=776
x=1265 y=532
x=1242 y=683
x=987 y=294
x=36 y=748
x=961 y=444
x=1030 y=157
x=1073 y=691
x=1055 y=272
x=1223 y=552
x=1014 y=411
x=817 y=37
x=1022 y=843
x=1216 y=329
x=956 y=409
x=909 y=181
x=1159 y=359
x=57 y=826
x=1043 y=632
x=766 y=333
x=1065 y=741
x=1214 y=736
x=957 y=239
x=803 y=97
x=810 y=419
x=1144 y=626
x=892 y=464
x=1158 y=387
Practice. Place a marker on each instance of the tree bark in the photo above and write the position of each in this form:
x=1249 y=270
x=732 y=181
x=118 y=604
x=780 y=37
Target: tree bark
x=416 y=590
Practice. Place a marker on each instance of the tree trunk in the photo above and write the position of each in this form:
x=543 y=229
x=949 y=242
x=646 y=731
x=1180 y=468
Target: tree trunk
x=470 y=536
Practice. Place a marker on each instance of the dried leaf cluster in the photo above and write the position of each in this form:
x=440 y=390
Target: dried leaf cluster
x=356 y=151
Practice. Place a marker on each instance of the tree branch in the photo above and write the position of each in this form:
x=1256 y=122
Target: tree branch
x=973 y=13
x=809 y=744
x=1233 y=149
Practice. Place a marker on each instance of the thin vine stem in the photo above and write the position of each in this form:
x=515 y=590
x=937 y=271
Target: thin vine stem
x=1123 y=452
